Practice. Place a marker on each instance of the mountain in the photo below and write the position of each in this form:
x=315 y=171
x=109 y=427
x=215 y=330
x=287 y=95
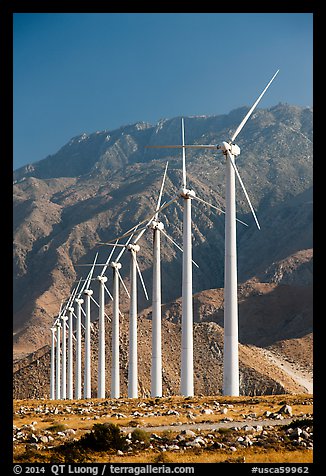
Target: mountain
x=98 y=185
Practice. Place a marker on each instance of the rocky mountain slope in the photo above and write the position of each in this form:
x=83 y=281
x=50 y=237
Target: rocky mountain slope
x=100 y=184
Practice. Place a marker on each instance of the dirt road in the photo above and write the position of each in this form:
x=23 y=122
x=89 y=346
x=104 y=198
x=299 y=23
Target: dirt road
x=212 y=426
x=303 y=378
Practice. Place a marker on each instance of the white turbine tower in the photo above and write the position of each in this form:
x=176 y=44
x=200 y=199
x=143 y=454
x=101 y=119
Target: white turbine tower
x=57 y=375
x=70 y=359
x=230 y=151
x=52 y=369
x=64 y=319
x=88 y=296
x=70 y=356
x=78 y=376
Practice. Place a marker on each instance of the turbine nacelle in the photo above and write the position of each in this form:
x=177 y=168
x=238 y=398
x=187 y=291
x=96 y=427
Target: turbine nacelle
x=88 y=292
x=79 y=301
x=135 y=248
x=157 y=225
x=102 y=279
x=186 y=193
x=115 y=265
x=232 y=148
x=70 y=309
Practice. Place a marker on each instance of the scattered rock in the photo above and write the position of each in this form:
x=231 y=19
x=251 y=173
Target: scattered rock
x=286 y=409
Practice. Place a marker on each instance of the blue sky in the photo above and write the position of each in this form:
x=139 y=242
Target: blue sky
x=83 y=72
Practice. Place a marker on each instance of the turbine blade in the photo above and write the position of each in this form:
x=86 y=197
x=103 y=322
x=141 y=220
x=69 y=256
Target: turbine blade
x=143 y=231
x=82 y=310
x=122 y=282
x=122 y=251
x=140 y=275
x=97 y=304
x=95 y=301
x=147 y=219
x=84 y=285
x=106 y=289
x=76 y=290
x=176 y=244
x=97 y=264
x=109 y=258
x=209 y=204
x=194 y=146
x=216 y=208
x=92 y=271
x=125 y=246
x=161 y=191
x=184 y=178
x=245 y=119
x=128 y=233
x=244 y=189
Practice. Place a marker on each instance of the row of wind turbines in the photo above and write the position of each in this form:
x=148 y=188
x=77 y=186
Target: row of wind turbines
x=66 y=378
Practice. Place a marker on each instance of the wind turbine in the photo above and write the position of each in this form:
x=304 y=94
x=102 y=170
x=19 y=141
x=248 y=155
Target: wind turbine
x=231 y=151
x=115 y=367
x=156 y=364
x=101 y=330
x=57 y=375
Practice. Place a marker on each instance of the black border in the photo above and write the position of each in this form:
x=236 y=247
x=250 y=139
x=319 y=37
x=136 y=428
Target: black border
x=7 y=9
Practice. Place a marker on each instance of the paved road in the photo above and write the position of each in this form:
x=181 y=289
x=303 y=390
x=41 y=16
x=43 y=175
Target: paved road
x=213 y=426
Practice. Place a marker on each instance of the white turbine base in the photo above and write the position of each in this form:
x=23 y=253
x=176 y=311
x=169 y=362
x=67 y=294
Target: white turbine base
x=231 y=367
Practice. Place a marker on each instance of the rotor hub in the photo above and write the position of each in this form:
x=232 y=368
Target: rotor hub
x=157 y=225
x=115 y=265
x=186 y=193
x=234 y=149
x=135 y=248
